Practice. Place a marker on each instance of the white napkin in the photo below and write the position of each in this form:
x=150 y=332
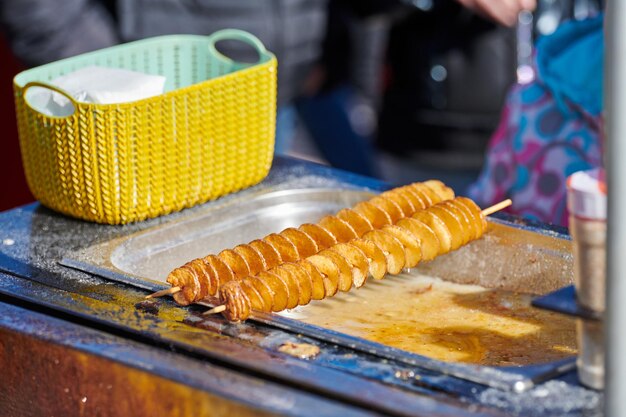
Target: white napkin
x=99 y=85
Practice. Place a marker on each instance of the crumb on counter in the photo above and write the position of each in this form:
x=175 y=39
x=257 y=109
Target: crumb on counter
x=300 y=350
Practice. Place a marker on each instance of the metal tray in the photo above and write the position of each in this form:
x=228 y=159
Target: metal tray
x=510 y=257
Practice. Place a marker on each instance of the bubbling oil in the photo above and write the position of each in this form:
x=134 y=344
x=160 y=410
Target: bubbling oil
x=447 y=321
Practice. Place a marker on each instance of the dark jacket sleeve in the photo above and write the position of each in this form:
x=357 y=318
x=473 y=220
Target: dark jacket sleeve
x=41 y=31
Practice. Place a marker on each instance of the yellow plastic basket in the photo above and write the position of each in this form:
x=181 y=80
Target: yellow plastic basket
x=211 y=132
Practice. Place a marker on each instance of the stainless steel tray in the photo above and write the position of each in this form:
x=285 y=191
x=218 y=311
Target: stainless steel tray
x=508 y=257
x=144 y=259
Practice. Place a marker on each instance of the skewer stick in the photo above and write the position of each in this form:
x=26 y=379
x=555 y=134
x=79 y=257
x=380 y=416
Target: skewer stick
x=215 y=310
x=167 y=291
x=496 y=207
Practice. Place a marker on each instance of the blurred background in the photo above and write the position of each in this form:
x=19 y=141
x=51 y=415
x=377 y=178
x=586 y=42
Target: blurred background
x=399 y=90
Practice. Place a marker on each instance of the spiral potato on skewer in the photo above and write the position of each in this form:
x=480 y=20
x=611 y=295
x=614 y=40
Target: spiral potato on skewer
x=201 y=278
x=427 y=233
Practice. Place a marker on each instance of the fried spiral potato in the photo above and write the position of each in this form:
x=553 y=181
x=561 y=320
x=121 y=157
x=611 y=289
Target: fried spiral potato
x=427 y=233
x=201 y=278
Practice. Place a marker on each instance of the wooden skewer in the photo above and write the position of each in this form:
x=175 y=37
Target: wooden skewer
x=496 y=207
x=167 y=291
x=215 y=310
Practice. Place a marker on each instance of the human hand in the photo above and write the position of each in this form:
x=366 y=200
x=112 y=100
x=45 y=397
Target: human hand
x=502 y=11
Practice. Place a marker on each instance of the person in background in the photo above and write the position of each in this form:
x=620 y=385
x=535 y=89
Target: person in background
x=549 y=128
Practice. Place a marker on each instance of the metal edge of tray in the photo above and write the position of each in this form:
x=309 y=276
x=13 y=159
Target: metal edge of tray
x=516 y=379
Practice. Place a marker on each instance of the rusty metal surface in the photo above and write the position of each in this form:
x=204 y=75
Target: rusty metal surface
x=54 y=368
x=33 y=240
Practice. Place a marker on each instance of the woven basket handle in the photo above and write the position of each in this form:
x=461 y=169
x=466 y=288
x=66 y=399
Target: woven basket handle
x=237 y=35
x=52 y=88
